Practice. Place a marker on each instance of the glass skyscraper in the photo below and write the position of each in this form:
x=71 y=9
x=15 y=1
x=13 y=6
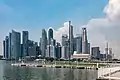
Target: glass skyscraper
x=58 y=50
x=79 y=44
x=9 y=50
x=95 y=52
x=88 y=48
x=64 y=39
x=15 y=45
x=25 y=38
x=44 y=43
x=50 y=35
x=6 y=47
x=32 y=48
x=70 y=39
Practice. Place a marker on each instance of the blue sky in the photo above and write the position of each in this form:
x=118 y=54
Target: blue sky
x=33 y=15
x=46 y=13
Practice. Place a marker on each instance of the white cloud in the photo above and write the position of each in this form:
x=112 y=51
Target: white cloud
x=62 y=30
x=112 y=10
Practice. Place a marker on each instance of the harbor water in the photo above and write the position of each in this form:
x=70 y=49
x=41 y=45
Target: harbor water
x=8 y=72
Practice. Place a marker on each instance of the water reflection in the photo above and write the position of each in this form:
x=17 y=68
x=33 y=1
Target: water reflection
x=18 y=73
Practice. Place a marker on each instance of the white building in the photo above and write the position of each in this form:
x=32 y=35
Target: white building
x=80 y=56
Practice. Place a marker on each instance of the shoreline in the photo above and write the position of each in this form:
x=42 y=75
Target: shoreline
x=72 y=66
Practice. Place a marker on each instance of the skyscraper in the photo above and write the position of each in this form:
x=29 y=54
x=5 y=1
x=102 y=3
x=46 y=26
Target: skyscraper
x=106 y=50
x=88 y=48
x=64 y=39
x=52 y=48
x=84 y=41
x=110 y=54
x=65 y=51
x=50 y=35
x=6 y=47
x=9 y=50
x=95 y=52
x=70 y=39
x=15 y=45
x=21 y=55
x=25 y=37
x=52 y=51
x=32 y=48
x=75 y=44
x=48 y=51
x=43 y=43
x=79 y=44
x=58 y=50
x=40 y=46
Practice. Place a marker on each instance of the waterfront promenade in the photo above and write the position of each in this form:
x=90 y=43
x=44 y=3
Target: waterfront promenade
x=74 y=65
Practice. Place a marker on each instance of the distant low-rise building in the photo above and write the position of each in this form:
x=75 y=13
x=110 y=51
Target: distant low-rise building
x=80 y=56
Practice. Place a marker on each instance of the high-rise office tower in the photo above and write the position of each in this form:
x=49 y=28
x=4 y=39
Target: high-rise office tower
x=40 y=46
x=38 y=51
x=6 y=47
x=110 y=51
x=25 y=38
x=65 y=47
x=110 y=54
x=9 y=50
x=88 y=48
x=106 y=50
x=64 y=39
x=84 y=41
x=50 y=35
x=43 y=43
x=15 y=45
x=65 y=50
x=52 y=48
x=48 y=51
x=78 y=44
x=70 y=39
x=75 y=43
x=32 y=48
x=52 y=51
x=95 y=52
x=58 y=50
x=21 y=55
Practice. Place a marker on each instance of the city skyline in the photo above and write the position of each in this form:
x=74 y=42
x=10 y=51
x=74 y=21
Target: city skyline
x=17 y=47
x=99 y=26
